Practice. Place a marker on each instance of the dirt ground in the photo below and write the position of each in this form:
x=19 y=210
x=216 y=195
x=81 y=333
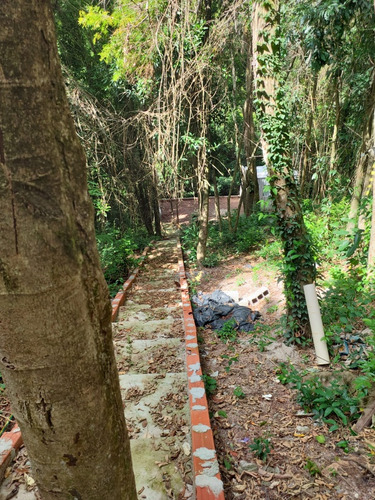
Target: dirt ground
x=297 y=466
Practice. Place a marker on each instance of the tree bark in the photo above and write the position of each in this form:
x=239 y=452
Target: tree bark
x=298 y=257
x=217 y=202
x=250 y=181
x=371 y=250
x=334 y=139
x=364 y=162
x=56 y=349
x=306 y=155
x=203 y=223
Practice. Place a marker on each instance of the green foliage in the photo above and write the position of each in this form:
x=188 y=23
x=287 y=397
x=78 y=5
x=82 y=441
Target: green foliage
x=231 y=360
x=261 y=447
x=313 y=468
x=211 y=260
x=238 y=392
x=262 y=336
x=210 y=384
x=2 y=385
x=228 y=333
x=116 y=251
x=252 y=232
x=332 y=403
x=349 y=298
x=344 y=444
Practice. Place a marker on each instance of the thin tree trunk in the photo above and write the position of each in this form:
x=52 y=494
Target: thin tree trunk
x=203 y=223
x=217 y=202
x=304 y=173
x=364 y=163
x=56 y=347
x=334 y=140
x=371 y=250
x=250 y=183
x=155 y=205
x=357 y=192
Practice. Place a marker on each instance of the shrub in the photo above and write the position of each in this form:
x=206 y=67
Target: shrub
x=116 y=252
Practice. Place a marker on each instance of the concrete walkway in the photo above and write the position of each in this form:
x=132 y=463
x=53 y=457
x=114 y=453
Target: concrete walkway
x=150 y=350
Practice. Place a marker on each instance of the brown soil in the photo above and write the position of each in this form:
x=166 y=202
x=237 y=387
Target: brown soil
x=269 y=410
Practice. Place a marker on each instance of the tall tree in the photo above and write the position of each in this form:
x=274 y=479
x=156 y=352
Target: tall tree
x=274 y=116
x=56 y=348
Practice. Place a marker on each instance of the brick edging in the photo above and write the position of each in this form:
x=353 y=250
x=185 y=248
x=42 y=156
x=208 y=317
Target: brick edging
x=119 y=299
x=10 y=442
x=207 y=480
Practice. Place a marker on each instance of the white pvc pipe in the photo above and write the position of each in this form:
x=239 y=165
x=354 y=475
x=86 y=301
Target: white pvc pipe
x=321 y=351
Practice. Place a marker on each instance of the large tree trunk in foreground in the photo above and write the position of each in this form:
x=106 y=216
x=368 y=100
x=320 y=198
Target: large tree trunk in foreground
x=56 y=347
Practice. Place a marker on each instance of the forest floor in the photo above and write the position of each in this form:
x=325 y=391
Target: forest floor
x=296 y=465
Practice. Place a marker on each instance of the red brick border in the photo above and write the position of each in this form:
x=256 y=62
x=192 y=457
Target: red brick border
x=208 y=484
x=10 y=442
x=119 y=299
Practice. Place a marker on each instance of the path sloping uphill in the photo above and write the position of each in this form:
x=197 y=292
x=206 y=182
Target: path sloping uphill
x=150 y=349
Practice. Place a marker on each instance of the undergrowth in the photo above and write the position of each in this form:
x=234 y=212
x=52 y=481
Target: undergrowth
x=116 y=250
x=252 y=233
x=334 y=402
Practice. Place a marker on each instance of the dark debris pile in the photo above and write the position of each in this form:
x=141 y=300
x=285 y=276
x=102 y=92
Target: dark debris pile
x=217 y=308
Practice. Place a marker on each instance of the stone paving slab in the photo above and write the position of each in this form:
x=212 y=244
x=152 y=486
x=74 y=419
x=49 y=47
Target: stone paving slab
x=150 y=356
x=157 y=483
x=153 y=401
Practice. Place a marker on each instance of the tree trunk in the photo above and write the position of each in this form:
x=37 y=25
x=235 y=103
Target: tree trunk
x=364 y=163
x=56 y=347
x=217 y=202
x=371 y=250
x=299 y=266
x=203 y=222
x=306 y=155
x=334 y=140
x=155 y=205
x=144 y=207
x=250 y=183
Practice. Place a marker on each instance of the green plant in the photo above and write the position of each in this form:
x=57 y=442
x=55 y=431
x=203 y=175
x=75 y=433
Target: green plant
x=238 y=392
x=313 y=468
x=273 y=309
x=344 y=445
x=231 y=360
x=333 y=472
x=332 y=402
x=228 y=333
x=227 y=462
x=261 y=447
x=262 y=337
x=116 y=251
x=240 y=281
x=210 y=384
x=222 y=413
x=211 y=260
